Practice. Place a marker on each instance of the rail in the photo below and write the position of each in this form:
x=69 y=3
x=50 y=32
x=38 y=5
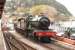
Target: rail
x=14 y=44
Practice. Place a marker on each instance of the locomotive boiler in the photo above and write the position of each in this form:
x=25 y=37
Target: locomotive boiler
x=37 y=27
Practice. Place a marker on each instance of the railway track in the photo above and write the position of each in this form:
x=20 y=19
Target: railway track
x=52 y=45
x=17 y=42
x=14 y=44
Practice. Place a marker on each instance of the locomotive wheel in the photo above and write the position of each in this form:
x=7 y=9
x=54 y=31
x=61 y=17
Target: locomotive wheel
x=26 y=35
x=35 y=38
x=45 y=39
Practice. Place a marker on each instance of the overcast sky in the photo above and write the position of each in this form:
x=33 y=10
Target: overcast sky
x=69 y=4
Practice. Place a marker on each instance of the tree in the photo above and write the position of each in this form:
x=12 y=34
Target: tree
x=45 y=9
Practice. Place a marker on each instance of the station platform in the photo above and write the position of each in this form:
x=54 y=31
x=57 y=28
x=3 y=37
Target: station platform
x=2 y=43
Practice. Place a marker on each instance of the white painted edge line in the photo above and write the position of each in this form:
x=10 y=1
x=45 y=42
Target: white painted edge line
x=3 y=41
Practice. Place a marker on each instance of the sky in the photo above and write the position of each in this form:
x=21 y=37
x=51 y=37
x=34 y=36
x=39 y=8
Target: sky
x=69 y=4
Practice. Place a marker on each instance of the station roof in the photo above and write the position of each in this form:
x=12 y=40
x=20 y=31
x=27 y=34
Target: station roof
x=2 y=2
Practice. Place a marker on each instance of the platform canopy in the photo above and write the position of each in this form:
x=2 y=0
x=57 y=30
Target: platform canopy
x=2 y=2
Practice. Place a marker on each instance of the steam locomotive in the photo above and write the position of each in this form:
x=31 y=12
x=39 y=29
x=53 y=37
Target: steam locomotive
x=36 y=27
